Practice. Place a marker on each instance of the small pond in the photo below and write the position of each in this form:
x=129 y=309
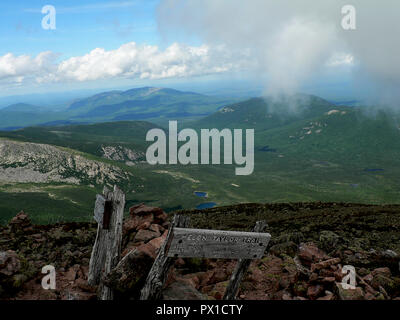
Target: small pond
x=201 y=194
x=206 y=205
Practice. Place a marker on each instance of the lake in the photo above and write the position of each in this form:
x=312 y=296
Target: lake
x=206 y=205
x=201 y=194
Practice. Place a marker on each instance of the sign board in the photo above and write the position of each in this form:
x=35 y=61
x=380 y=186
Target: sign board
x=99 y=208
x=216 y=244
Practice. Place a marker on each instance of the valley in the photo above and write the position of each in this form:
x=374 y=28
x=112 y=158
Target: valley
x=316 y=152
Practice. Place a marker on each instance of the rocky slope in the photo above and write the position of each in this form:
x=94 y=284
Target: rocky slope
x=41 y=163
x=123 y=154
x=310 y=245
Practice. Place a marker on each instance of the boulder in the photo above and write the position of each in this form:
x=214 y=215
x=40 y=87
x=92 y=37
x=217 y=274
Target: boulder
x=134 y=223
x=9 y=263
x=382 y=279
x=314 y=291
x=309 y=253
x=142 y=209
x=20 y=222
x=348 y=294
x=146 y=235
x=324 y=264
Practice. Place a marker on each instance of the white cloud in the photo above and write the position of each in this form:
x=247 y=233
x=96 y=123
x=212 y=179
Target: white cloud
x=128 y=61
x=293 y=40
x=341 y=59
x=17 y=69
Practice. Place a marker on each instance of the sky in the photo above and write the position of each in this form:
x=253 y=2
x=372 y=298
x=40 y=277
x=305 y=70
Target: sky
x=211 y=45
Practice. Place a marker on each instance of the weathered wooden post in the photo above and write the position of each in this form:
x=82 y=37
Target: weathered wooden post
x=159 y=271
x=241 y=268
x=108 y=212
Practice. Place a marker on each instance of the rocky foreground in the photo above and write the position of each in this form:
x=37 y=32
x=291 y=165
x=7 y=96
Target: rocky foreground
x=310 y=245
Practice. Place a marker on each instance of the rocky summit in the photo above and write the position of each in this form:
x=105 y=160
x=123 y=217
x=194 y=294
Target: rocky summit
x=310 y=246
x=42 y=163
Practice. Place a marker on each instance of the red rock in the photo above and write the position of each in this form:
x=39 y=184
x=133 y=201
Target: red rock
x=339 y=275
x=192 y=279
x=71 y=274
x=207 y=289
x=21 y=218
x=21 y=222
x=309 y=253
x=383 y=271
x=179 y=262
x=324 y=264
x=313 y=277
x=145 y=235
x=148 y=249
x=142 y=209
x=144 y=226
x=157 y=228
x=134 y=223
x=314 y=291
x=326 y=273
x=160 y=218
x=328 y=280
x=205 y=277
x=219 y=275
x=83 y=285
x=157 y=242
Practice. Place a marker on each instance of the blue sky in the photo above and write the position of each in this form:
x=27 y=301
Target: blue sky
x=200 y=44
x=81 y=26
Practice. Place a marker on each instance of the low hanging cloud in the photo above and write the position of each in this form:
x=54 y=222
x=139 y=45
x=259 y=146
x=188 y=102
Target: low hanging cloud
x=292 y=40
x=128 y=61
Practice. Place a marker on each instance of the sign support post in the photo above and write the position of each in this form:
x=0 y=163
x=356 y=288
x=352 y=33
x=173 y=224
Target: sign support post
x=108 y=212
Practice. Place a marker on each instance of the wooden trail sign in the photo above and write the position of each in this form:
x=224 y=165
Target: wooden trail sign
x=216 y=244
x=184 y=242
x=108 y=212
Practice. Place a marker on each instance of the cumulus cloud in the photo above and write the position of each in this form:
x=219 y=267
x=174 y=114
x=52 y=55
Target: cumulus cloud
x=128 y=61
x=19 y=68
x=291 y=40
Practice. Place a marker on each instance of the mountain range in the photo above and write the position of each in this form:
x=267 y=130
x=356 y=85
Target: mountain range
x=148 y=103
x=306 y=149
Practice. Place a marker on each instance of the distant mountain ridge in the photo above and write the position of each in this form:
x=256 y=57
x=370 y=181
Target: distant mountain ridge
x=147 y=103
